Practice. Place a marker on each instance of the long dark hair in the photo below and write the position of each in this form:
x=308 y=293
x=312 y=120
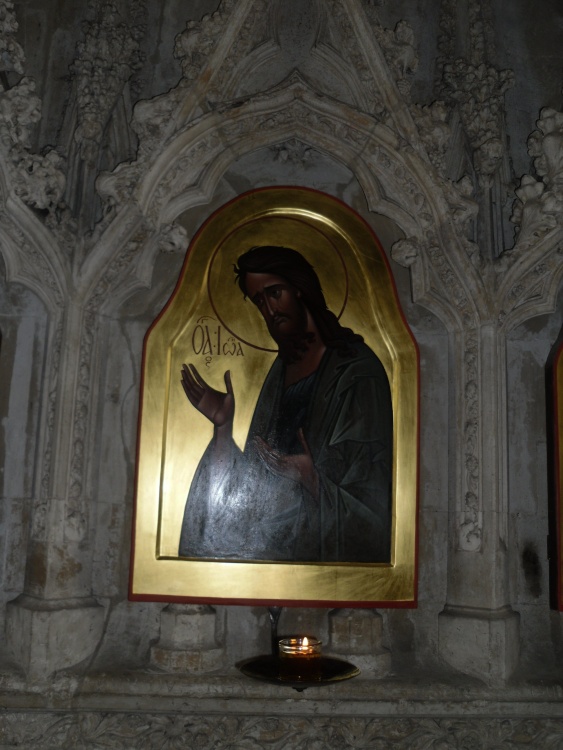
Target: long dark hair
x=292 y=266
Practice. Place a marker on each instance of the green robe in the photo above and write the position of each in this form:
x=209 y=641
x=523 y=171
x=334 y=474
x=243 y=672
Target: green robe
x=244 y=511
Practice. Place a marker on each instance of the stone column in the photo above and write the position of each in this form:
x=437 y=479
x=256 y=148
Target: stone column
x=56 y=623
x=478 y=630
x=355 y=635
x=190 y=640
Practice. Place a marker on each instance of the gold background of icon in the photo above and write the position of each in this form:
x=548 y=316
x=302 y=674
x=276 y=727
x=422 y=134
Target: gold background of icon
x=208 y=323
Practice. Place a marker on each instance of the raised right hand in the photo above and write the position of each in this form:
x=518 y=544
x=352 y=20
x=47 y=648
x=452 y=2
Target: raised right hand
x=218 y=407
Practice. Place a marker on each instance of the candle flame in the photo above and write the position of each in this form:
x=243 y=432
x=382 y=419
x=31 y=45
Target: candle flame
x=305 y=641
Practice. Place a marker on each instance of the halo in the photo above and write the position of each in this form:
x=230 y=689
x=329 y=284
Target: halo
x=301 y=233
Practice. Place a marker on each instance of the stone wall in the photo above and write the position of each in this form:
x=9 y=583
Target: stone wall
x=119 y=136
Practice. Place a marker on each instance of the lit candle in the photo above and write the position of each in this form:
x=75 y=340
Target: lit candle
x=300 y=659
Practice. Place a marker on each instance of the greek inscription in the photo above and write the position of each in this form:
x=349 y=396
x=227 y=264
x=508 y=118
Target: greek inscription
x=210 y=339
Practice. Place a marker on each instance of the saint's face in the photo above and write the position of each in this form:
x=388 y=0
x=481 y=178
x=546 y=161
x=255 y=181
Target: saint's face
x=279 y=302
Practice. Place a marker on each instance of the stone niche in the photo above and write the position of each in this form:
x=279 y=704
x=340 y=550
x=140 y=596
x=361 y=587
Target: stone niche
x=114 y=151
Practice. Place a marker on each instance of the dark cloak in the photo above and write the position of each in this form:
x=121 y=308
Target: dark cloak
x=242 y=510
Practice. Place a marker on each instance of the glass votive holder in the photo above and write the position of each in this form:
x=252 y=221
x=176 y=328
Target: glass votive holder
x=300 y=659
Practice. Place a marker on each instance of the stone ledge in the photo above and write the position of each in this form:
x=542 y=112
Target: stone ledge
x=165 y=731
x=235 y=695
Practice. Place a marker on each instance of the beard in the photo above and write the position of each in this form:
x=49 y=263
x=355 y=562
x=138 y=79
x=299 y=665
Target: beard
x=293 y=347
x=294 y=339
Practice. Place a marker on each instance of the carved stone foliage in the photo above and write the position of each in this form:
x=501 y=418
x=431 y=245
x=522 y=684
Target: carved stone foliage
x=121 y=731
x=539 y=205
x=473 y=84
x=470 y=519
x=545 y=145
x=195 y=44
x=11 y=54
x=116 y=188
x=106 y=58
x=173 y=238
x=398 y=46
x=474 y=21
x=293 y=151
x=479 y=92
x=96 y=133
x=38 y=179
x=20 y=111
x=464 y=211
x=434 y=131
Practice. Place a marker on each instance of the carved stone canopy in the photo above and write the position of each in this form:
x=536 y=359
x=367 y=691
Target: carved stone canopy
x=82 y=225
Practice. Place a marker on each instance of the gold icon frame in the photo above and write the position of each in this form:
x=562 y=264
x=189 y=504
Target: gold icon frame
x=206 y=322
